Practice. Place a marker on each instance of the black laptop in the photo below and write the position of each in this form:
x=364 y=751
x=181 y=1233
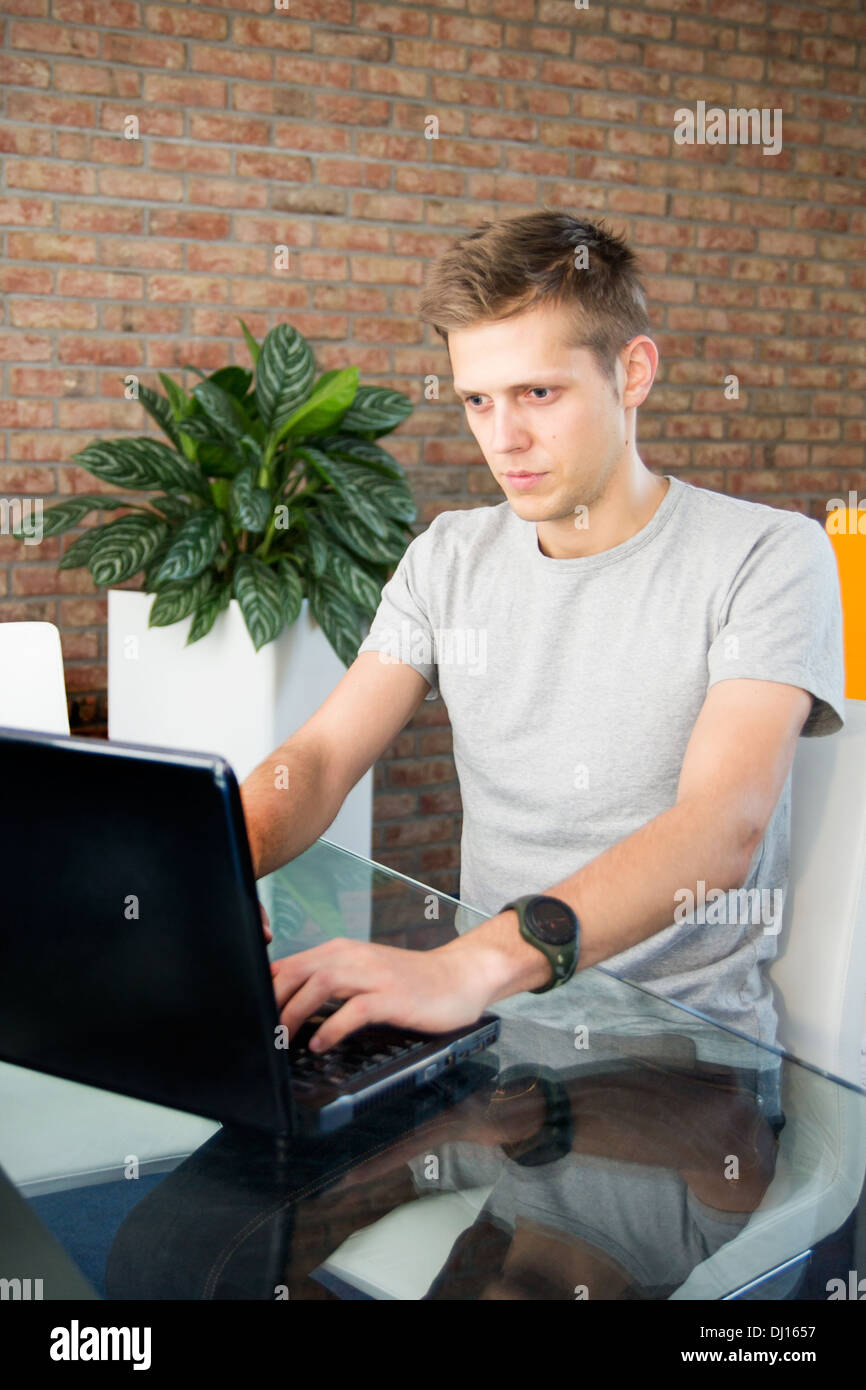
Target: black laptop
x=132 y=955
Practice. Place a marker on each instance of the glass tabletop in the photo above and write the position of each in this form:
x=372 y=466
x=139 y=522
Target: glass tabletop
x=611 y=1145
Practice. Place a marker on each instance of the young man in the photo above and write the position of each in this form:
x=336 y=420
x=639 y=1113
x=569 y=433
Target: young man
x=627 y=662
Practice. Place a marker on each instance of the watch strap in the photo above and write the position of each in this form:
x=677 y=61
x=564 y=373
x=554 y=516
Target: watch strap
x=563 y=959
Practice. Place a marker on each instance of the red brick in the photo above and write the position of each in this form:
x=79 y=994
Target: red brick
x=479 y=32
x=44 y=612
x=90 y=677
x=53 y=313
x=114 y=14
x=52 y=38
x=26 y=212
x=186 y=23
x=143 y=52
x=654 y=26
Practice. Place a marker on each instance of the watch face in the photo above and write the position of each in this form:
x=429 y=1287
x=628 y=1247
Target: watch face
x=551 y=922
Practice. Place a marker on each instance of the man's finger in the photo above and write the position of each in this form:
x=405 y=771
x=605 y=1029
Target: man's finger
x=355 y=1013
x=290 y=973
x=317 y=990
x=269 y=936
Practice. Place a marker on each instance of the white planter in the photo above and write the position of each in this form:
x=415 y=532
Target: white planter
x=222 y=696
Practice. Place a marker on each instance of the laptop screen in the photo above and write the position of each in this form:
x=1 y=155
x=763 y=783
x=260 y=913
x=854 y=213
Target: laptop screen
x=131 y=947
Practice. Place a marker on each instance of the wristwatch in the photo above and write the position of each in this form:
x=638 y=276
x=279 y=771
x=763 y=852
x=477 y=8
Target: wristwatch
x=555 y=1138
x=552 y=926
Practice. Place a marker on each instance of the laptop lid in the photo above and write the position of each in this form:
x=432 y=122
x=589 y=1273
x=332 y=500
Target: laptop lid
x=132 y=955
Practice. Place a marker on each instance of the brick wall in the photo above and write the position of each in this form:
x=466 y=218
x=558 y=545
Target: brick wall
x=306 y=127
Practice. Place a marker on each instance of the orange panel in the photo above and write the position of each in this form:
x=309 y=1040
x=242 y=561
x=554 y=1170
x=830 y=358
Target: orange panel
x=849 y=543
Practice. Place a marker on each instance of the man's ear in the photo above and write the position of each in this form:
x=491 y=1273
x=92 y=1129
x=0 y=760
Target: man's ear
x=640 y=359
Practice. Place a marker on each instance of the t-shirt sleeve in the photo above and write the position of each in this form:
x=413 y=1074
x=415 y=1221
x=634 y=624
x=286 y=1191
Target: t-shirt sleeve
x=402 y=627
x=782 y=620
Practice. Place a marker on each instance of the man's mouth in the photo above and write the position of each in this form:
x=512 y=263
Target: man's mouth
x=523 y=479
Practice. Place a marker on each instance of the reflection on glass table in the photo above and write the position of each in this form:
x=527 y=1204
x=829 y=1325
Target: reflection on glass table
x=612 y=1146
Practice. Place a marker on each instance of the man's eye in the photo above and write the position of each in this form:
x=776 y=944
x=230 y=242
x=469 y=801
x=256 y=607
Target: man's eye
x=546 y=389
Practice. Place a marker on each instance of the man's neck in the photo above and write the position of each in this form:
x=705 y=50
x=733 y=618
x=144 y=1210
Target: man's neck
x=623 y=509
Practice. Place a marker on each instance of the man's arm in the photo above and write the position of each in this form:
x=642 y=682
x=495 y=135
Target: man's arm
x=738 y=756
x=292 y=797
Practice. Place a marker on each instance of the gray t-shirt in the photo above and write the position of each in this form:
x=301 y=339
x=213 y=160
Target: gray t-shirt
x=573 y=686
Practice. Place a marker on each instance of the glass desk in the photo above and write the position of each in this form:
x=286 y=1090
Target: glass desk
x=610 y=1146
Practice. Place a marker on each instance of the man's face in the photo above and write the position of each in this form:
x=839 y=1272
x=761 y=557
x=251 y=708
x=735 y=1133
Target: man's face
x=538 y=406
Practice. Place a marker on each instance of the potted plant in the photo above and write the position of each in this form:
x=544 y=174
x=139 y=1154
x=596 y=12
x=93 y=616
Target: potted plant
x=277 y=522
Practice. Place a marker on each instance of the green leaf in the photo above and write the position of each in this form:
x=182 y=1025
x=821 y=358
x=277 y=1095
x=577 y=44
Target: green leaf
x=251 y=342
x=220 y=491
x=284 y=374
x=220 y=460
x=189 y=446
x=198 y=427
x=390 y=497
x=235 y=380
x=225 y=413
x=349 y=530
x=355 y=581
x=178 y=599
x=79 y=551
x=259 y=594
x=257 y=429
x=178 y=399
x=291 y=590
x=207 y=614
x=124 y=547
x=319 y=543
x=345 y=479
x=250 y=507
x=160 y=410
x=194 y=547
x=154 y=563
x=345 y=446
x=141 y=464
x=252 y=448
x=337 y=617
x=70 y=512
x=173 y=508
x=330 y=398
x=376 y=411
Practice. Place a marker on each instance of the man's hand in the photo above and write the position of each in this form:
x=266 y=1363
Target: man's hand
x=381 y=984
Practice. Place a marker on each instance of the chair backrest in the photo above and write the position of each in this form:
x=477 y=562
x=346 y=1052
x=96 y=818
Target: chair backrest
x=32 y=688
x=819 y=975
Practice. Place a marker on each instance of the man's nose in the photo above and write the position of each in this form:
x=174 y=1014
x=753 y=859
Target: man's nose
x=508 y=432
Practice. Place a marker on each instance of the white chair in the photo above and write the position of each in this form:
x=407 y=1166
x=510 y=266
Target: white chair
x=819 y=978
x=58 y=1133
x=32 y=690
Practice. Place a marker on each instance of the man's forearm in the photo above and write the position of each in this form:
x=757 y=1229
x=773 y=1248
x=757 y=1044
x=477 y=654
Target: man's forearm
x=289 y=801
x=621 y=897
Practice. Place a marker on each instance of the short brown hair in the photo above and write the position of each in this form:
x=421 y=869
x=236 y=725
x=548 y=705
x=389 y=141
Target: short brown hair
x=505 y=267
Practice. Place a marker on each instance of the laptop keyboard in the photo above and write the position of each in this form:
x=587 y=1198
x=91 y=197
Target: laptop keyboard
x=359 y=1055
